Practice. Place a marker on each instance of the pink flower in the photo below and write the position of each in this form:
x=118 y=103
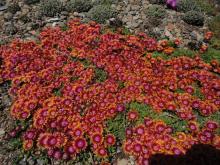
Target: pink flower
x=171 y=3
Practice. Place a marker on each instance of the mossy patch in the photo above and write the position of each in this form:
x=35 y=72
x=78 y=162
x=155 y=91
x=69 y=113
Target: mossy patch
x=211 y=54
x=117 y=126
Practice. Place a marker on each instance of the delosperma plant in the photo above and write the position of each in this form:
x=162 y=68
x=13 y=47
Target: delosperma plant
x=55 y=90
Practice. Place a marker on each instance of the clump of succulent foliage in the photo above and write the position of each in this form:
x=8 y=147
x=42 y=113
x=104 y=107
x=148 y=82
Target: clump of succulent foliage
x=79 y=5
x=194 y=18
x=101 y=13
x=187 y=5
x=13 y=8
x=156 y=11
x=51 y=8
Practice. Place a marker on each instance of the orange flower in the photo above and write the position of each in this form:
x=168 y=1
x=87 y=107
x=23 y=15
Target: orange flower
x=27 y=144
x=203 y=48
x=177 y=41
x=127 y=148
x=97 y=138
x=208 y=35
x=132 y=115
x=168 y=50
x=163 y=43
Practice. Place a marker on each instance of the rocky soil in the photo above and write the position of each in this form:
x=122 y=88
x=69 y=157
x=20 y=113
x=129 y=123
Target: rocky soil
x=26 y=22
x=172 y=26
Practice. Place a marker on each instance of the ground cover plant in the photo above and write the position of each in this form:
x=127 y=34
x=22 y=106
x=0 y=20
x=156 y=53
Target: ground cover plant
x=82 y=93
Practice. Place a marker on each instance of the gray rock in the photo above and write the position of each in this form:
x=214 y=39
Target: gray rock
x=127 y=18
x=57 y=24
x=133 y=24
x=30 y=161
x=122 y=161
x=10 y=29
x=65 y=13
x=2 y=8
x=24 y=18
x=2 y=132
x=136 y=17
x=119 y=7
x=18 y=14
x=8 y=16
x=128 y=8
x=115 y=22
x=76 y=14
x=53 y=20
x=135 y=7
x=133 y=12
x=82 y=15
x=28 y=28
x=40 y=162
x=145 y=6
x=113 y=5
x=196 y=36
x=23 y=162
x=25 y=10
x=135 y=2
x=6 y=101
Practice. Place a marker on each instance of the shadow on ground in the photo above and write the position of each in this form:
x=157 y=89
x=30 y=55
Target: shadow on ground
x=197 y=155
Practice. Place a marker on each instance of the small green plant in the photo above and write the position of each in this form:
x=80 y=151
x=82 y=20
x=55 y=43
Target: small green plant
x=2 y=42
x=214 y=26
x=194 y=18
x=13 y=8
x=30 y=2
x=177 y=53
x=143 y=110
x=79 y=5
x=187 y=5
x=51 y=8
x=202 y=120
x=10 y=29
x=126 y=31
x=101 y=13
x=183 y=52
x=15 y=143
x=58 y=91
x=168 y=117
x=211 y=54
x=155 y=11
x=198 y=92
x=206 y=6
x=215 y=43
x=104 y=2
x=160 y=54
x=100 y=75
x=117 y=126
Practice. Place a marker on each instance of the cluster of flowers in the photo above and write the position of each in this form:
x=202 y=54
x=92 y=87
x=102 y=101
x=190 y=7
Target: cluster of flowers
x=69 y=107
x=155 y=137
x=207 y=38
x=163 y=46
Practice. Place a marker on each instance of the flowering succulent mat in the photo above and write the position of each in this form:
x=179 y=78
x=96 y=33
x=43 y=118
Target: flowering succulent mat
x=83 y=90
